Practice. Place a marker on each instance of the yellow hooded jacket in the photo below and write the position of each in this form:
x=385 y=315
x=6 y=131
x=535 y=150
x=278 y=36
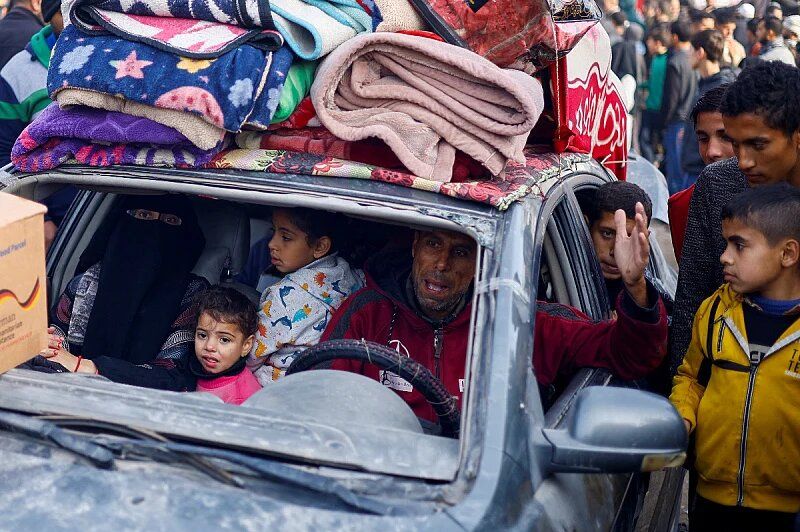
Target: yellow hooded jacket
x=746 y=418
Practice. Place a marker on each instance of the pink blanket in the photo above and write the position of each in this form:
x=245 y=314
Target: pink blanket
x=426 y=99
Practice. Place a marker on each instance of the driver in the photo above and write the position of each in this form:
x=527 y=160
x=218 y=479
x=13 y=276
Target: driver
x=420 y=306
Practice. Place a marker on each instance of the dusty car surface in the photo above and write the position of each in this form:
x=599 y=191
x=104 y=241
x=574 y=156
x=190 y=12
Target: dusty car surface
x=82 y=452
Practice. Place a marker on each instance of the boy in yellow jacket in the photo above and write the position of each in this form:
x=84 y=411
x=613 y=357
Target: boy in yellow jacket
x=738 y=388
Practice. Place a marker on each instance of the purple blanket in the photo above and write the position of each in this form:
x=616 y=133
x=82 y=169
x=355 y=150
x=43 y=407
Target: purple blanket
x=102 y=138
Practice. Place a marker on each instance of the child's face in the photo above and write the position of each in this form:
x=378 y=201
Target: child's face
x=289 y=248
x=604 y=235
x=749 y=263
x=218 y=345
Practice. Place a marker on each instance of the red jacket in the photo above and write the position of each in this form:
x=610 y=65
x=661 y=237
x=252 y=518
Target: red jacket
x=565 y=339
x=678 y=212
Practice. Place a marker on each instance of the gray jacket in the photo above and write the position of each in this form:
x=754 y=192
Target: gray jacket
x=777 y=51
x=700 y=271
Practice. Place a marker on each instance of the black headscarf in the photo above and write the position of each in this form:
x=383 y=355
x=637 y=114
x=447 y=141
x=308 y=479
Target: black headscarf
x=144 y=273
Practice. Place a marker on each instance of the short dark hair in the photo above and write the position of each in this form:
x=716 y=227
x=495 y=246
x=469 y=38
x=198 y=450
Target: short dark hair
x=752 y=24
x=712 y=42
x=315 y=224
x=772 y=9
x=681 y=30
x=769 y=89
x=226 y=305
x=772 y=210
x=709 y=102
x=661 y=33
x=725 y=15
x=618 y=19
x=619 y=195
x=773 y=24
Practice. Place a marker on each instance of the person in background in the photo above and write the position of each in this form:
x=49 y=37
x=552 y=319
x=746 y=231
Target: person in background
x=774 y=9
x=770 y=35
x=761 y=113
x=701 y=21
x=733 y=52
x=680 y=86
x=744 y=14
x=610 y=7
x=18 y=26
x=708 y=48
x=657 y=42
x=713 y=145
x=3 y=8
x=23 y=95
x=753 y=46
x=791 y=33
x=738 y=392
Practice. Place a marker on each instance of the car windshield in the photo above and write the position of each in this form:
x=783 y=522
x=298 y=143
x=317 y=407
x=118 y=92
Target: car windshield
x=205 y=305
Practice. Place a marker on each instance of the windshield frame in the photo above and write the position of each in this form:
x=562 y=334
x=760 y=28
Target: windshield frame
x=478 y=221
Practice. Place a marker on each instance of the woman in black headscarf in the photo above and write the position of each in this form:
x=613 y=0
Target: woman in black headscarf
x=127 y=315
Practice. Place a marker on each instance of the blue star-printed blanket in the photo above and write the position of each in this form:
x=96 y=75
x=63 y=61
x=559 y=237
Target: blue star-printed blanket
x=239 y=88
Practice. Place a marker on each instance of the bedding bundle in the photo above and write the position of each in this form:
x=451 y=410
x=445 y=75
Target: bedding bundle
x=191 y=83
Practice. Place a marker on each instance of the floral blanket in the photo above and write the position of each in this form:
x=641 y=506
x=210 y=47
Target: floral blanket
x=241 y=87
x=518 y=181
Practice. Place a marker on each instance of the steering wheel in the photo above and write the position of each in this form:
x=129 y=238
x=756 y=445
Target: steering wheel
x=420 y=377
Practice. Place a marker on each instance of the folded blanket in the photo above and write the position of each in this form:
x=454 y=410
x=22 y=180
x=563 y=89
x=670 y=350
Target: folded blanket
x=269 y=101
x=398 y=15
x=295 y=89
x=315 y=27
x=304 y=115
x=199 y=29
x=312 y=28
x=199 y=132
x=224 y=91
x=101 y=138
x=426 y=99
x=320 y=141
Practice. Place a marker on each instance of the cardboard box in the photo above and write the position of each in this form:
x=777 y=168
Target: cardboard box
x=23 y=285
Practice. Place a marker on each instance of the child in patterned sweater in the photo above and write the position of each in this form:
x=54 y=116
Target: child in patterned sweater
x=316 y=280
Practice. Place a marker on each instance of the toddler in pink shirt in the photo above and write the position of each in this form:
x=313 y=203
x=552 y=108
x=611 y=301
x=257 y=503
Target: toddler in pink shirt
x=223 y=337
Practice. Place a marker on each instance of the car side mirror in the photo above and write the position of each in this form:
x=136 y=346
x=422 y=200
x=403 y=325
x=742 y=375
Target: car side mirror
x=615 y=430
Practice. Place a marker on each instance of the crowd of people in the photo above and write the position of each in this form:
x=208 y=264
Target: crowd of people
x=714 y=94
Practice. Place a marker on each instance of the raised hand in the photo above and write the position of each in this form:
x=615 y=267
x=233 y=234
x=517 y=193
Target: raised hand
x=632 y=253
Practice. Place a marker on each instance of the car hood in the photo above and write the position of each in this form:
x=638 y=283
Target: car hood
x=205 y=420
x=45 y=494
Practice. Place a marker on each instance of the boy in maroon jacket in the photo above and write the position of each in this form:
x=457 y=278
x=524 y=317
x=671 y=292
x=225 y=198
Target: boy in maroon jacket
x=421 y=308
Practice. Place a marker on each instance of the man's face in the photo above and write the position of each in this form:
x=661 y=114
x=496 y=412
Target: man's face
x=711 y=139
x=749 y=262
x=766 y=155
x=604 y=235
x=698 y=54
x=442 y=271
x=761 y=32
x=727 y=29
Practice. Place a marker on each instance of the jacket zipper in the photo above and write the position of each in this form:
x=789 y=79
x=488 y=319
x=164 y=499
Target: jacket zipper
x=745 y=426
x=437 y=352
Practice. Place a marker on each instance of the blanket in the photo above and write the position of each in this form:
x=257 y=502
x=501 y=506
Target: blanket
x=209 y=28
x=100 y=138
x=371 y=151
x=225 y=92
x=426 y=99
x=199 y=132
x=518 y=181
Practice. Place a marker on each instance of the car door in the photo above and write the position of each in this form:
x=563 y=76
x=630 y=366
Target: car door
x=570 y=275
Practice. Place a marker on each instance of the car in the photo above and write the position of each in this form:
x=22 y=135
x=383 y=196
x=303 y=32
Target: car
x=83 y=452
